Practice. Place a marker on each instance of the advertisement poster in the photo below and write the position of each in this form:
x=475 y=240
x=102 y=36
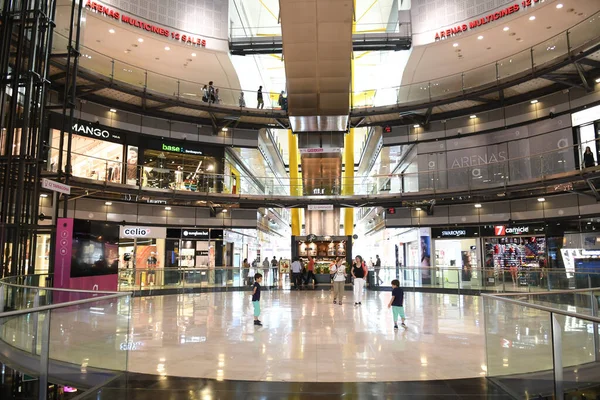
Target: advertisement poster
x=426 y=260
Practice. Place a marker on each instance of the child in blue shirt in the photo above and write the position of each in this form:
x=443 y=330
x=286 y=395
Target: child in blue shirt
x=397 y=303
x=256 y=298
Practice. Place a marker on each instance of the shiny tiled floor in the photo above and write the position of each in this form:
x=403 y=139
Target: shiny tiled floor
x=306 y=338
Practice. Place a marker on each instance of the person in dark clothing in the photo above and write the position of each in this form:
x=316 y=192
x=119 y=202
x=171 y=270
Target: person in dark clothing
x=259 y=98
x=588 y=158
x=256 y=298
x=397 y=303
x=377 y=269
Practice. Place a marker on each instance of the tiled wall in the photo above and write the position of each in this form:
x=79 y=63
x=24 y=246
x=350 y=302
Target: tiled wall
x=202 y=17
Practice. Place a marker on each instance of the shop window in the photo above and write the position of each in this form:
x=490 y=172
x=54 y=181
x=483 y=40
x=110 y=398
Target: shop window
x=166 y=170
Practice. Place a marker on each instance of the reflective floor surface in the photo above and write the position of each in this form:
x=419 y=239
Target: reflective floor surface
x=146 y=387
x=307 y=338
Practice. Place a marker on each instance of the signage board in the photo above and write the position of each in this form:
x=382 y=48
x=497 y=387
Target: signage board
x=514 y=230
x=56 y=186
x=320 y=150
x=454 y=232
x=132 y=231
x=320 y=207
x=96 y=131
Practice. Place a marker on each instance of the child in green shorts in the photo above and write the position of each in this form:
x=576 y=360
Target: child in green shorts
x=397 y=303
x=256 y=298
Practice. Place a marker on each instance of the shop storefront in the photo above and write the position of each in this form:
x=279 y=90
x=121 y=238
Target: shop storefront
x=97 y=150
x=456 y=252
x=175 y=165
x=323 y=249
x=141 y=248
x=516 y=253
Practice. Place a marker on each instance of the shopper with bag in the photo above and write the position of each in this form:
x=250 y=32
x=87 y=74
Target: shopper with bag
x=359 y=273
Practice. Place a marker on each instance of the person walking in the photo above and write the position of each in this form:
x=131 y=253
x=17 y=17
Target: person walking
x=359 y=272
x=266 y=265
x=296 y=273
x=259 y=98
x=245 y=270
x=242 y=100
x=377 y=269
x=274 y=267
x=256 y=298
x=397 y=303
x=310 y=272
x=588 y=158
x=282 y=101
x=211 y=92
x=339 y=280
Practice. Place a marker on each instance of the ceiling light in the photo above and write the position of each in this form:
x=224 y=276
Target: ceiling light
x=598 y=80
x=224 y=129
x=416 y=125
x=111 y=31
x=418 y=208
x=168 y=208
x=141 y=40
x=534 y=101
x=559 y=6
x=167 y=48
x=506 y=28
x=479 y=37
x=473 y=116
x=113 y=110
x=532 y=18
x=193 y=54
x=455 y=45
x=224 y=210
x=108 y=203
x=477 y=205
x=541 y=199
x=44 y=195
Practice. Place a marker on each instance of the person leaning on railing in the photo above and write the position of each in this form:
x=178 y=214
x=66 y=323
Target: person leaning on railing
x=588 y=158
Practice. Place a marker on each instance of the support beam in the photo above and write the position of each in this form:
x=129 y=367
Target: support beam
x=348 y=186
x=583 y=77
x=295 y=181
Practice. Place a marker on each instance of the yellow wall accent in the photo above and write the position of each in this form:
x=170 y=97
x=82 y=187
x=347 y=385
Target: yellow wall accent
x=295 y=181
x=348 y=188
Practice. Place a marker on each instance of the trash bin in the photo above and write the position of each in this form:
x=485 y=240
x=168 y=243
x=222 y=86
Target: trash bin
x=371 y=278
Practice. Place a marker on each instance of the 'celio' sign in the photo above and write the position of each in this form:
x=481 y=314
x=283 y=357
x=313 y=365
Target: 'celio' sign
x=159 y=30
x=485 y=20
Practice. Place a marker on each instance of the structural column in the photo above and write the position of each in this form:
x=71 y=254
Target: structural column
x=295 y=181
x=348 y=187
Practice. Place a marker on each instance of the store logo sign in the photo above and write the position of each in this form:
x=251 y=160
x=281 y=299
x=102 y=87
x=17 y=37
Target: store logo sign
x=455 y=233
x=90 y=131
x=501 y=230
x=136 y=232
x=179 y=149
x=203 y=233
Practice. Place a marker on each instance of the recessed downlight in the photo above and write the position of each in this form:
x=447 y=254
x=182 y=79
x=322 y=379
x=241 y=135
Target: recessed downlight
x=193 y=54
x=141 y=40
x=455 y=45
x=416 y=125
x=168 y=208
x=111 y=31
x=534 y=101
x=112 y=110
x=506 y=28
x=477 y=205
x=559 y=6
x=418 y=209
x=541 y=199
x=167 y=48
x=108 y=203
x=472 y=116
x=480 y=37
x=532 y=18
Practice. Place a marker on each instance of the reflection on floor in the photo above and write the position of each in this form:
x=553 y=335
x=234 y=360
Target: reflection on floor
x=307 y=338
x=141 y=387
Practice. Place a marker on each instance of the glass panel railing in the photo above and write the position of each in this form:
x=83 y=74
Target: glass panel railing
x=579 y=38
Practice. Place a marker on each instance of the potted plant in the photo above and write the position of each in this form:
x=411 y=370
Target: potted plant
x=322 y=274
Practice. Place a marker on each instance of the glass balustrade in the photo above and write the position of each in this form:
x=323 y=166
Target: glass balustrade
x=572 y=42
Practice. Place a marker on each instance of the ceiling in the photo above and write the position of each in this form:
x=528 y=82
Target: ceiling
x=442 y=58
x=190 y=65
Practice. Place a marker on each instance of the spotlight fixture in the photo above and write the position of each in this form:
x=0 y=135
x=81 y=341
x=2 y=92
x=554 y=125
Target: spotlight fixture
x=416 y=125
x=168 y=208
x=167 y=48
x=455 y=45
x=43 y=195
x=506 y=28
x=480 y=37
x=473 y=116
x=598 y=80
x=541 y=199
x=418 y=208
x=477 y=205
x=534 y=101
x=193 y=54
x=108 y=203
x=224 y=210
x=141 y=40
x=111 y=31
x=112 y=110
x=559 y=6
x=532 y=18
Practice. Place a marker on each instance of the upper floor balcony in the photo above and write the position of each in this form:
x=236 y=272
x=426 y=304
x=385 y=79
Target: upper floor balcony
x=561 y=61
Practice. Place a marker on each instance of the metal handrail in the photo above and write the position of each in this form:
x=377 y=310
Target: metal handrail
x=63 y=305
x=545 y=308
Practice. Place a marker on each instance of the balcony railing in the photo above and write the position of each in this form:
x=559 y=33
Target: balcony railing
x=568 y=44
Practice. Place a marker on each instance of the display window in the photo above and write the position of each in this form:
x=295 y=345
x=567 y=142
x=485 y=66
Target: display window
x=176 y=171
x=520 y=259
x=90 y=157
x=459 y=255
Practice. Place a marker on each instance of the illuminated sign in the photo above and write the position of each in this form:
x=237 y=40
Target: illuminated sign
x=129 y=231
x=179 y=149
x=501 y=230
x=148 y=27
x=495 y=16
x=84 y=128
